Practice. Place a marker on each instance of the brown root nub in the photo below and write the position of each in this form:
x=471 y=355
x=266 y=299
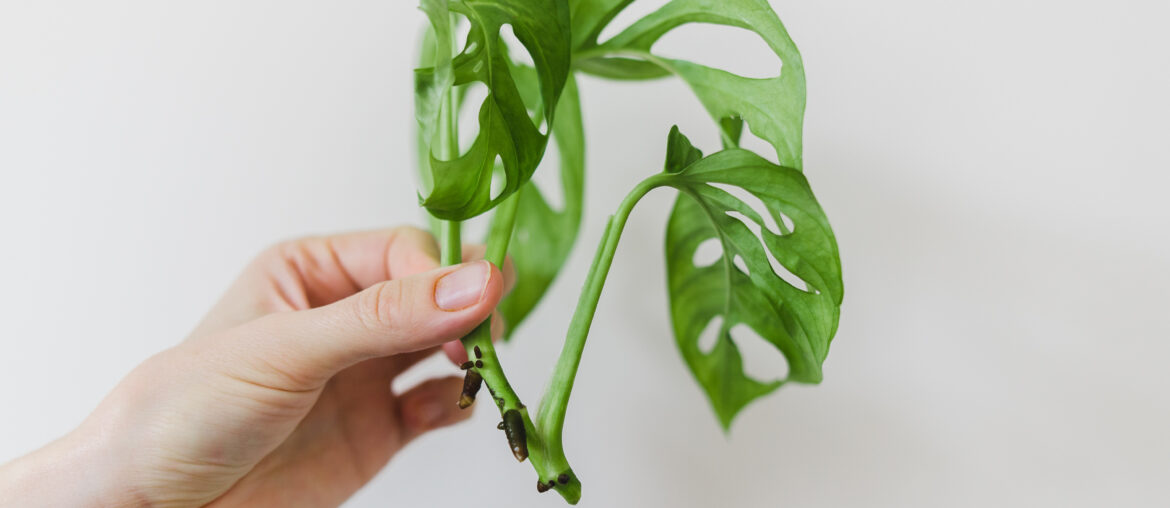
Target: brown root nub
x=517 y=436
x=478 y=353
x=543 y=487
x=563 y=478
x=467 y=365
x=500 y=426
x=465 y=402
x=471 y=383
x=479 y=364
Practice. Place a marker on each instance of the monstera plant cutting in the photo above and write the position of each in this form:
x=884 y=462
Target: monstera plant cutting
x=779 y=272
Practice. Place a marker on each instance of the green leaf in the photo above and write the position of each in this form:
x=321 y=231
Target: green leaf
x=625 y=69
x=460 y=188
x=799 y=323
x=732 y=128
x=772 y=107
x=590 y=17
x=679 y=152
x=432 y=81
x=544 y=236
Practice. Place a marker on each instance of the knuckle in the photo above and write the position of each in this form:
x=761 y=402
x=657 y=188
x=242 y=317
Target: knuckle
x=416 y=237
x=383 y=308
x=287 y=249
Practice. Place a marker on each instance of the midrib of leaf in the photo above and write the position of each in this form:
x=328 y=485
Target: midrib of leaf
x=728 y=266
x=818 y=352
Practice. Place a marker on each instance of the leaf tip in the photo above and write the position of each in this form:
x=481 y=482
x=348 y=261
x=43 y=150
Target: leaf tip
x=680 y=153
x=726 y=417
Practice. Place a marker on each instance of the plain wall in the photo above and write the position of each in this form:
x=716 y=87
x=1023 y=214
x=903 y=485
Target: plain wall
x=996 y=174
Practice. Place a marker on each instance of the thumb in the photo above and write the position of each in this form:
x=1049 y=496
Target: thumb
x=301 y=350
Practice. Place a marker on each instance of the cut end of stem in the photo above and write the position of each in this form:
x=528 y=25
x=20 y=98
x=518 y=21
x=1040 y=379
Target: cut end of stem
x=567 y=485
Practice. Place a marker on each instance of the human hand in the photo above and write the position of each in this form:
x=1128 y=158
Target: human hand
x=281 y=396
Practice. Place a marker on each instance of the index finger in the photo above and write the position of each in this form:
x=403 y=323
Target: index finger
x=315 y=271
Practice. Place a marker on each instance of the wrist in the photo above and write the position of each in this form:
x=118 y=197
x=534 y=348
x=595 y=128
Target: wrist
x=78 y=469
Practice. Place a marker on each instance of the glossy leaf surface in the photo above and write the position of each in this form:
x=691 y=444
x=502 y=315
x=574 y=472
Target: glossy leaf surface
x=799 y=322
x=773 y=108
x=460 y=188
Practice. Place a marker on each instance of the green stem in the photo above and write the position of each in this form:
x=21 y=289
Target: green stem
x=480 y=340
x=449 y=240
x=500 y=235
x=504 y=396
x=449 y=231
x=551 y=418
x=478 y=343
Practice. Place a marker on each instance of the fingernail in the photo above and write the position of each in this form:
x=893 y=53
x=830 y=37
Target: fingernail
x=463 y=287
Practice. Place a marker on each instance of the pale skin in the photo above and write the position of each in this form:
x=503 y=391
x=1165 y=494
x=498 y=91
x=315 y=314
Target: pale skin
x=282 y=395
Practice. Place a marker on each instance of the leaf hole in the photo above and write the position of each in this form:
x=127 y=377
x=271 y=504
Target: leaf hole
x=547 y=178
x=519 y=56
x=789 y=277
x=725 y=47
x=630 y=14
x=472 y=95
x=768 y=215
x=708 y=252
x=789 y=225
x=739 y=263
x=762 y=360
x=710 y=335
x=750 y=141
x=516 y=50
x=461 y=31
x=499 y=178
x=778 y=269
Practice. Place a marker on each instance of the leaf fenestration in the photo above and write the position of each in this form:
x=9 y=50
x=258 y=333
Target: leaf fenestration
x=799 y=323
x=773 y=108
x=461 y=188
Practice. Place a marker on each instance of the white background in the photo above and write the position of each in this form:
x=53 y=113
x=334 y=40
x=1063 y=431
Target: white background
x=996 y=173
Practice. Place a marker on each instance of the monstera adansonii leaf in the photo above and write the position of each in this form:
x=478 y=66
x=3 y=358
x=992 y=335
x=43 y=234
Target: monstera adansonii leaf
x=772 y=107
x=799 y=322
x=460 y=188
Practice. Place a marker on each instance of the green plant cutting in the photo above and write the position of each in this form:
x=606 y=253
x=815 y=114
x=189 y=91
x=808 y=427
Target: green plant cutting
x=779 y=270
